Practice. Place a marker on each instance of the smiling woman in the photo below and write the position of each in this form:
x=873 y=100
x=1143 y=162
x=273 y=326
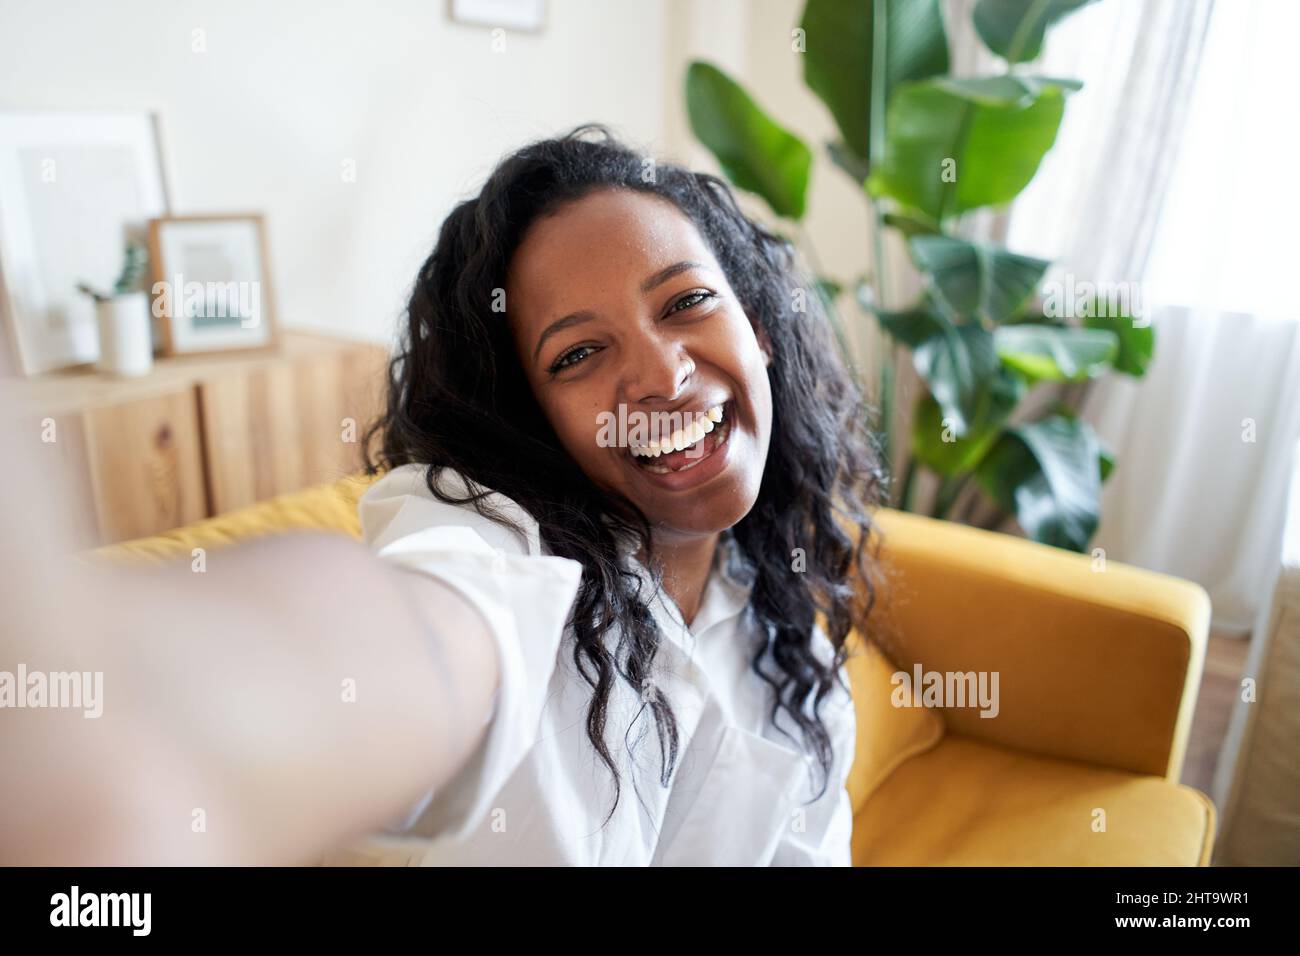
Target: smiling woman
x=673 y=607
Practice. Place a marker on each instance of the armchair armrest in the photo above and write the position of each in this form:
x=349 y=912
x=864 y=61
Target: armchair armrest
x=1096 y=664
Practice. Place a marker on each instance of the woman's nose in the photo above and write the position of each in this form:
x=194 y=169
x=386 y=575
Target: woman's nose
x=658 y=372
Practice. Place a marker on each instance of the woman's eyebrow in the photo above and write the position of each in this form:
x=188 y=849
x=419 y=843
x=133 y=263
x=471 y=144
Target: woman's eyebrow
x=559 y=325
x=663 y=275
x=576 y=318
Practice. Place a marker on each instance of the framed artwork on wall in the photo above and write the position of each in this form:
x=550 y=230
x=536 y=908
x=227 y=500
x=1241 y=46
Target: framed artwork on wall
x=75 y=189
x=526 y=16
x=211 y=283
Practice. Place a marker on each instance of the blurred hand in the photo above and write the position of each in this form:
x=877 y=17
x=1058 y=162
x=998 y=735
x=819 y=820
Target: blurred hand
x=291 y=696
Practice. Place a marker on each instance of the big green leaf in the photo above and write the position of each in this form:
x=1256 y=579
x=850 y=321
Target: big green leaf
x=956 y=361
x=840 y=58
x=953 y=146
x=913 y=326
x=1049 y=474
x=911 y=223
x=1105 y=461
x=1054 y=354
x=1014 y=29
x=754 y=151
x=1105 y=455
x=846 y=159
x=938 y=446
x=1036 y=316
x=1005 y=89
x=972 y=280
x=1137 y=343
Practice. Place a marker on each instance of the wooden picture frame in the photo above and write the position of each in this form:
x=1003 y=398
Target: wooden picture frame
x=211 y=284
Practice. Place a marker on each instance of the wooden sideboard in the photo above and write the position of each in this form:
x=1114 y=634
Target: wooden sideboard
x=199 y=436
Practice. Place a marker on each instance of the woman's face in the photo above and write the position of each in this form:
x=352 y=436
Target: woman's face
x=628 y=332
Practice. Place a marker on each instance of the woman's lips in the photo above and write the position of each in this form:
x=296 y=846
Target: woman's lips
x=692 y=465
x=677 y=431
x=689 y=457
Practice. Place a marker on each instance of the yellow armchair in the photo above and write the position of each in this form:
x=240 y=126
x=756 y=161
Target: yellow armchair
x=1098 y=666
x=1097 y=669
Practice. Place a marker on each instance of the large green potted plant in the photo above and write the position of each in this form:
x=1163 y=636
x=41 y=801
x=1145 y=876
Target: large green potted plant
x=926 y=148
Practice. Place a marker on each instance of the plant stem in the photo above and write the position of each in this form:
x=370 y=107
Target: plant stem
x=909 y=485
x=885 y=402
x=1021 y=36
x=949 y=490
x=885 y=394
x=947 y=189
x=875 y=154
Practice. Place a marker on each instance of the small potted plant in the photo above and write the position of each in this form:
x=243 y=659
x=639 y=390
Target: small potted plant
x=122 y=315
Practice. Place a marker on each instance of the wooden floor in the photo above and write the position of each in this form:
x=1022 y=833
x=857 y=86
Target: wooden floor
x=1225 y=658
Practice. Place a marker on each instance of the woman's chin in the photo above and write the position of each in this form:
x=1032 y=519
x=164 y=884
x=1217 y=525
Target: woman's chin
x=712 y=509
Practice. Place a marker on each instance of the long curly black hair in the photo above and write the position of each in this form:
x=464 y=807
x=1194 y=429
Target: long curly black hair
x=806 y=544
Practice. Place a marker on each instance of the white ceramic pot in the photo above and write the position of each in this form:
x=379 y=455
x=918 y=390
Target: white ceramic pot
x=125 y=336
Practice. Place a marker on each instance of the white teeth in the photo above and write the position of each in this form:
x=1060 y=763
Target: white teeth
x=684 y=437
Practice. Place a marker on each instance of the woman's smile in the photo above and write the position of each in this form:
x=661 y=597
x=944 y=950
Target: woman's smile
x=688 y=465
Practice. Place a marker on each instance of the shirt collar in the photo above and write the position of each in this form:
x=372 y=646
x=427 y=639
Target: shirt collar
x=726 y=594
x=732 y=564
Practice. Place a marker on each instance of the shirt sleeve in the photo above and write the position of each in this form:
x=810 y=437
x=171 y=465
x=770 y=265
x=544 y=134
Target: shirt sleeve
x=826 y=835
x=523 y=595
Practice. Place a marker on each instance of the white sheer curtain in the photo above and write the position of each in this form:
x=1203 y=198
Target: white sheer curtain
x=1097 y=199
x=1172 y=170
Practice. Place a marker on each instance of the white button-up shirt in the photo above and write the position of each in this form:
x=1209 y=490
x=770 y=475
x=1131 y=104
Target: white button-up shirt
x=535 y=792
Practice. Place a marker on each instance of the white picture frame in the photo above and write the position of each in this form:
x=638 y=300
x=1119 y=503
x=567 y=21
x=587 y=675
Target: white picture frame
x=75 y=187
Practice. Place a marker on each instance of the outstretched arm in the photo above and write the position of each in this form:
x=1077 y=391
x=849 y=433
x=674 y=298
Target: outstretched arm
x=295 y=695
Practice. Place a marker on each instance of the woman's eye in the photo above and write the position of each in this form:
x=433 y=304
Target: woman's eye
x=691 y=299
x=572 y=357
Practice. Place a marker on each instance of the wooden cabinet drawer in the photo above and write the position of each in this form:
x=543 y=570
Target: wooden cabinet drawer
x=277 y=428
x=202 y=435
x=145 y=460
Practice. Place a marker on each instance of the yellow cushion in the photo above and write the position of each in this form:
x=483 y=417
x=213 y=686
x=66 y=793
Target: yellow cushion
x=970 y=803
x=327 y=507
x=887 y=735
x=1098 y=663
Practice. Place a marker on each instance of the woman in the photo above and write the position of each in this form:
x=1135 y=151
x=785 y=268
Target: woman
x=628 y=473
x=584 y=283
